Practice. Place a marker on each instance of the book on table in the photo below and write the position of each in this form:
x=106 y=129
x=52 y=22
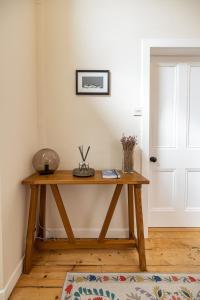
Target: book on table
x=111 y=173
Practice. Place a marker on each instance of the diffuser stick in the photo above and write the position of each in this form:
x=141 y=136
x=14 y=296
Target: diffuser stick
x=81 y=152
x=87 y=153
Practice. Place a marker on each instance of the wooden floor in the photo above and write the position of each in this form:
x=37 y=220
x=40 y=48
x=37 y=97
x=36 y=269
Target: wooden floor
x=167 y=250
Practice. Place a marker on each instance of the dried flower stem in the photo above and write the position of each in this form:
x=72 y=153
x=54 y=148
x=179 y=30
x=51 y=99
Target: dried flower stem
x=128 y=144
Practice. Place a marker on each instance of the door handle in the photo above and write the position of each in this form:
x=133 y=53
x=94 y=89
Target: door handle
x=153 y=159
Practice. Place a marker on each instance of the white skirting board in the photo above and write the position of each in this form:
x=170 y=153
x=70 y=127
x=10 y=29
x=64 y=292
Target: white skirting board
x=87 y=233
x=6 y=291
x=91 y=233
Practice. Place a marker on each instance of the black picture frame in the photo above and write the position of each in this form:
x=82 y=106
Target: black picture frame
x=92 y=82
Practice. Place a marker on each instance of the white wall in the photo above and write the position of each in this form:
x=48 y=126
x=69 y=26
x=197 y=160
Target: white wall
x=91 y=34
x=18 y=125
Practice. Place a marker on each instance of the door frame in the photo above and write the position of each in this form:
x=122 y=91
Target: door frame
x=146 y=46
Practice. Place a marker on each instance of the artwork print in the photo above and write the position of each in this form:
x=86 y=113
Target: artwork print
x=92 y=82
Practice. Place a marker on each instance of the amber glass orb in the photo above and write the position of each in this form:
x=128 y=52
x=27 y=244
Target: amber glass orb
x=46 y=161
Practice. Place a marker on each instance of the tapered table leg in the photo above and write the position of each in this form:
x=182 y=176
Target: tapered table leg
x=130 y=211
x=42 y=213
x=31 y=229
x=140 y=227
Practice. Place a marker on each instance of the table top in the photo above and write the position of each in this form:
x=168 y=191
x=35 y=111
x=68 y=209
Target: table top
x=66 y=177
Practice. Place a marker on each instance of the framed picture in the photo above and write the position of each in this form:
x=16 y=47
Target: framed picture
x=92 y=82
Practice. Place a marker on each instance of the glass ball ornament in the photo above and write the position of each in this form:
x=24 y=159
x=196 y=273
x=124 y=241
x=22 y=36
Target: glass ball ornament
x=46 y=161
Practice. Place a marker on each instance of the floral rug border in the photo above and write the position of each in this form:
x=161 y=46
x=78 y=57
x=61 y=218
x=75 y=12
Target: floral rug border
x=159 y=280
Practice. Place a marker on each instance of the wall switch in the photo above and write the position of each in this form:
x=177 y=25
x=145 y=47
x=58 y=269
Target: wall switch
x=137 y=112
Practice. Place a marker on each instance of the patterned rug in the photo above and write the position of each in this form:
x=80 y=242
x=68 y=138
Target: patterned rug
x=131 y=286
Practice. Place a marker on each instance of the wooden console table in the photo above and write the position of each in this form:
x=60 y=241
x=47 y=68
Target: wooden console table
x=38 y=183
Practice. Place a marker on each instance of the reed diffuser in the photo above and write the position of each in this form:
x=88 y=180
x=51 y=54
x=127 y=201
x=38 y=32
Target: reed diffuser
x=128 y=145
x=84 y=170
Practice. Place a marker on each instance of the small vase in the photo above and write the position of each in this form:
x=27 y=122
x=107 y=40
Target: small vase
x=127 y=161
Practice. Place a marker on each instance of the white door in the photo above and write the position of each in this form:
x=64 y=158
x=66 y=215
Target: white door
x=175 y=142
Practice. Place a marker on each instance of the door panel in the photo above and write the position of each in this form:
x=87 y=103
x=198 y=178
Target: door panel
x=175 y=141
x=163 y=105
x=164 y=194
x=194 y=106
x=192 y=189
